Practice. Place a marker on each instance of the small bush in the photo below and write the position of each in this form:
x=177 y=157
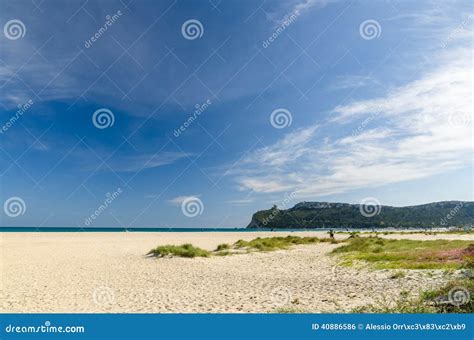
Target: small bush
x=184 y=250
x=222 y=246
x=398 y=275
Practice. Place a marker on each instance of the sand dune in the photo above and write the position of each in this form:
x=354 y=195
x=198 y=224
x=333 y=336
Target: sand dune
x=109 y=272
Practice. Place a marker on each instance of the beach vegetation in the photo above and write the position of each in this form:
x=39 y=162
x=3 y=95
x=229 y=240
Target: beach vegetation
x=239 y=247
x=184 y=250
x=409 y=254
x=433 y=301
x=223 y=246
x=397 y=275
x=278 y=242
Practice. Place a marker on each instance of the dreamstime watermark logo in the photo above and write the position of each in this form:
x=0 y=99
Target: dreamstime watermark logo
x=192 y=29
x=457 y=31
x=444 y=221
x=21 y=110
x=47 y=328
x=192 y=206
x=103 y=118
x=199 y=109
x=458 y=296
x=281 y=118
x=460 y=119
x=110 y=20
x=14 y=29
x=275 y=210
x=370 y=29
x=14 y=207
x=281 y=296
x=364 y=124
x=109 y=198
x=370 y=206
x=103 y=296
x=287 y=21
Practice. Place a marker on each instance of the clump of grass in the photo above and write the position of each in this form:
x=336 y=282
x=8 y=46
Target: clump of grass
x=289 y=310
x=275 y=243
x=440 y=297
x=397 y=275
x=408 y=254
x=184 y=250
x=402 y=305
x=435 y=301
x=222 y=246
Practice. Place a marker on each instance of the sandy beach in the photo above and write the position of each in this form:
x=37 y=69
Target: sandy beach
x=110 y=272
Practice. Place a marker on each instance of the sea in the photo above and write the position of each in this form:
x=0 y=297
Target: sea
x=150 y=229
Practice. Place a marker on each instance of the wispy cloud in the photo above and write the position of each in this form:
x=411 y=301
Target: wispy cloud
x=124 y=162
x=297 y=7
x=135 y=163
x=421 y=129
x=244 y=201
x=352 y=81
x=305 y=5
x=180 y=199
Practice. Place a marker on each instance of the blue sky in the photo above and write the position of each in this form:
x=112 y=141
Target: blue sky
x=369 y=99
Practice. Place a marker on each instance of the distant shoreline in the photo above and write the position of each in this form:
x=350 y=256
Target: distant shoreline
x=194 y=230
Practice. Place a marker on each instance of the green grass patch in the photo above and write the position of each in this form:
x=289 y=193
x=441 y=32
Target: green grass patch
x=408 y=254
x=184 y=250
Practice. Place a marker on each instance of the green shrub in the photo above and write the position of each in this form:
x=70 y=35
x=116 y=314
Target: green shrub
x=184 y=250
x=222 y=246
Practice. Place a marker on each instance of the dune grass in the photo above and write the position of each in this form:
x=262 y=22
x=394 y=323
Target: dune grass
x=278 y=242
x=408 y=254
x=222 y=246
x=184 y=250
x=241 y=246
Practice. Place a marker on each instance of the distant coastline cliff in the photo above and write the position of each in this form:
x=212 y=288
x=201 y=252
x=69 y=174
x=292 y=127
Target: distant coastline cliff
x=343 y=215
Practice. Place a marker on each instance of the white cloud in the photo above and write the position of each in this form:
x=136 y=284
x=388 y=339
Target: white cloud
x=414 y=135
x=180 y=199
x=298 y=7
x=243 y=201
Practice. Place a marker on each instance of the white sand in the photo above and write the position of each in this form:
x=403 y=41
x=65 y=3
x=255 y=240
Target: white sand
x=109 y=272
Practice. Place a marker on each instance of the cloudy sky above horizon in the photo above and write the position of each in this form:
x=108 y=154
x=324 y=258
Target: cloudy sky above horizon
x=199 y=113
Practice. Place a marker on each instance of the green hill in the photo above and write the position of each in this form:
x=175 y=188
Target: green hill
x=344 y=215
